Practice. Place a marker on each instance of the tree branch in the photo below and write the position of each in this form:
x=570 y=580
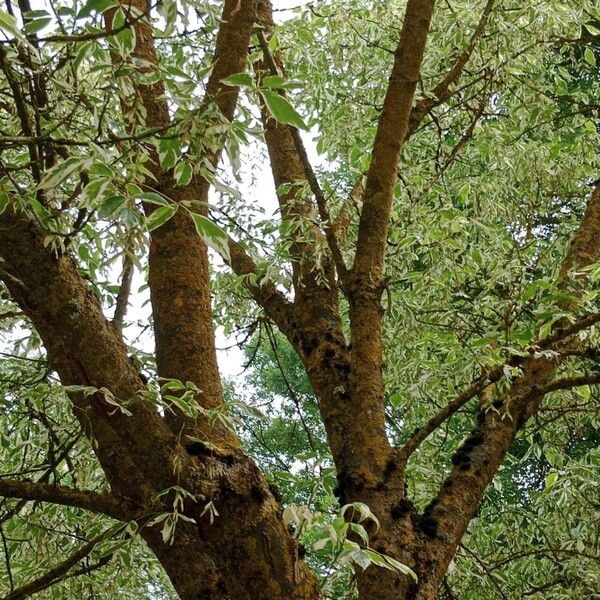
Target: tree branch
x=57 y=573
x=309 y=173
x=103 y=503
x=567 y=383
x=124 y=292
x=389 y=139
x=441 y=91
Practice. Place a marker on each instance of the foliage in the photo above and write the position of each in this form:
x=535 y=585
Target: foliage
x=492 y=185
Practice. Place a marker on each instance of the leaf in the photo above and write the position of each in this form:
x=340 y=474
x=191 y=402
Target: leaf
x=584 y=391
x=64 y=170
x=3 y=202
x=248 y=410
x=282 y=110
x=110 y=206
x=273 y=81
x=183 y=173
x=320 y=544
x=36 y=25
x=590 y=57
x=168 y=152
x=593 y=30
x=160 y=216
x=8 y=24
x=98 y=6
x=153 y=198
x=238 y=80
x=551 y=479
x=212 y=235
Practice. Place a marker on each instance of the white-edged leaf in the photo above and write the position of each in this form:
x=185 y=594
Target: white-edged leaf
x=153 y=198
x=3 y=202
x=63 y=170
x=8 y=24
x=183 y=173
x=238 y=80
x=212 y=234
x=160 y=216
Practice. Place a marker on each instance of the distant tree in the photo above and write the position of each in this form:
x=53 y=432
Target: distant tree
x=420 y=318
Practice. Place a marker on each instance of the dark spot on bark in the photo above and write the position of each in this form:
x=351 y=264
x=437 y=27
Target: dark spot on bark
x=457 y=458
x=397 y=582
x=475 y=440
x=400 y=509
x=329 y=352
x=448 y=483
x=380 y=549
x=343 y=367
x=308 y=346
x=430 y=506
x=301 y=551
x=345 y=395
x=478 y=472
x=258 y=493
x=197 y=449
x=428 y=525
x=390 y=467
x=329 y=336
x=486 y=462
x=480 y=417
x=498 y=403
x=465 y=466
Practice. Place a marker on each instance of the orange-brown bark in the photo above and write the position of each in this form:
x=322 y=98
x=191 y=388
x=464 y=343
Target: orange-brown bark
x=248 y=552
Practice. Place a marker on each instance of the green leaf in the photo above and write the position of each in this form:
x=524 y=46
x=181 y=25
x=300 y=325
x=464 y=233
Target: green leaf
x=238 y=80
x=584 y=391
x=282 y=110
x=111 y=206
x=64 y=170
x=8 y=24
x=36 y=25
x=273 y=81
x=160 y=216
x=93 y=6
x=183 y=173
x=212 y=234
x=551 y=479
x=168 y=152
x=590 y=57
x=592 y=29
x=153 y=198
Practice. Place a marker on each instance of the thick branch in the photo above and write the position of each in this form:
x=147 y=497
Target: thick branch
x=104 y=503
x=389 y=139
x=479 y=458
x=309 y=173
x=568 y=383
x=492 y=376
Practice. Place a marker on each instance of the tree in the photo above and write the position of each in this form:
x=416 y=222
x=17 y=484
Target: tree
x=439 y=271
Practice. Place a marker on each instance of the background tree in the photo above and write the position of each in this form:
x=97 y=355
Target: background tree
x=438 y=272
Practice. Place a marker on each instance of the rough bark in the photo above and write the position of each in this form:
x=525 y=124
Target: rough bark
x=247 y=552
